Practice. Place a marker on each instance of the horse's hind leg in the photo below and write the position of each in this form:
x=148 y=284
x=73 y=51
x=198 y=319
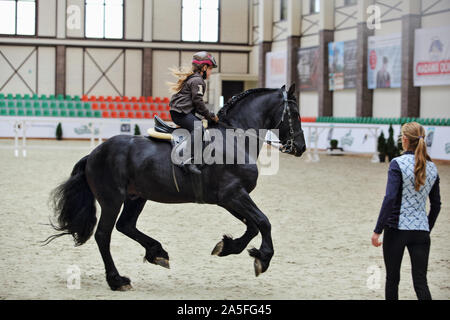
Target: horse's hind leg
x=154 y=253
x=103 y=238
x=229 y=245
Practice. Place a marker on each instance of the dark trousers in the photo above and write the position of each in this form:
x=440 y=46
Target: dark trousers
x=184 y=120
x=418 y=244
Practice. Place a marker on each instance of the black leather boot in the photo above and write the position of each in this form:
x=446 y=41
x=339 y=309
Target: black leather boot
x=188 y=166
x=193 y=168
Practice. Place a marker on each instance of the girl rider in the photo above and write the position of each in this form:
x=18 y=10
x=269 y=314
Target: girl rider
x=188 y=97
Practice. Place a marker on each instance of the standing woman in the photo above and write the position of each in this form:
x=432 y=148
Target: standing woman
x=412 y=178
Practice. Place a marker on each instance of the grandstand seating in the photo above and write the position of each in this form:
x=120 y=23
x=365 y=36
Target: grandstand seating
x=83 y=106
x=142 y=108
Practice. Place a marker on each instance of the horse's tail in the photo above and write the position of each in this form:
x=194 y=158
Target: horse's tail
x=74 y=206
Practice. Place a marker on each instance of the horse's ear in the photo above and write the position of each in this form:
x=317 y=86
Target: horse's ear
x=283 y=88
x=291 y=89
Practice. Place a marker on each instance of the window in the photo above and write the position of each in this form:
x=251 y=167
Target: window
x=200 y=20
x=283 y=10
x=349 y=2
x=104 y=19
x=314 y=6
x=18 y=17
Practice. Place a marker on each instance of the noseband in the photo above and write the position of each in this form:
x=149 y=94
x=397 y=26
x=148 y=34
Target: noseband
x=288 y=146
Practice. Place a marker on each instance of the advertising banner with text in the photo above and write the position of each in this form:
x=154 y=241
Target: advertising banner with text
x=342 y=65
x=432 y=57
x=276 y=69
x=384 y=62
x=308 y=65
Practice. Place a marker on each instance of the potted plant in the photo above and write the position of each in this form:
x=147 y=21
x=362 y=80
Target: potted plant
x=391 y=149
x=399 y=148
x=137 y=130
x=334 y=149
x=59 y=132
x=333 y=144
x=382 y=147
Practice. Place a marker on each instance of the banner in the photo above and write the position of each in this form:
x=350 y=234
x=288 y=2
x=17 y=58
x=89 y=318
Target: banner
x=385 y=62
x=276 y=69
x=438 y=142
x=342 y=65
x=74 y=129
x=353 y=138
x=308 y=64
x=432 y=57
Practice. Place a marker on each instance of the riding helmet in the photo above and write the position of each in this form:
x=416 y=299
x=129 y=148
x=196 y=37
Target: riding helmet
x=203 y=57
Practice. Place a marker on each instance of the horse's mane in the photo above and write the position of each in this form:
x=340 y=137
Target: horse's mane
x=235 y=99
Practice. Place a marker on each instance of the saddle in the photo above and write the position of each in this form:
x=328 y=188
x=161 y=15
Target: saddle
x=162 y=130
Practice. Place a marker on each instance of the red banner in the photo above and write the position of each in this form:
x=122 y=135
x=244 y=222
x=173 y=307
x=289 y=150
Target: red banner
x=433 y=68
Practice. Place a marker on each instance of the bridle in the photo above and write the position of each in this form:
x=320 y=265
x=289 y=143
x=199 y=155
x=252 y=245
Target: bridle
x=288 y=146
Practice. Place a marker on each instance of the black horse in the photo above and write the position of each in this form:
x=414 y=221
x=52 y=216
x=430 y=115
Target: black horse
x=129 y=170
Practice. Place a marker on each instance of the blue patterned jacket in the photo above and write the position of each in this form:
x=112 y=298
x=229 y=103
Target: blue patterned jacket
x=404 y=208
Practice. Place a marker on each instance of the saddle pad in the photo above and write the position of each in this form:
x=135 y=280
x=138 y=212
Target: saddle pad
x=159 y=135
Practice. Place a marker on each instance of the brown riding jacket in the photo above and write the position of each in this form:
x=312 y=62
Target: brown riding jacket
x=190 y=97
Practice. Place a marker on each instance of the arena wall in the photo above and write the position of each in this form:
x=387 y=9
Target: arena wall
x=153 y=25
x=343 y=20
x=59 y=59
x=432 y=98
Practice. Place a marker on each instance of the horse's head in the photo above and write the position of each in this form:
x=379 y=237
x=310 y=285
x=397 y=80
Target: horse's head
x=288 y=122
x=269 y=109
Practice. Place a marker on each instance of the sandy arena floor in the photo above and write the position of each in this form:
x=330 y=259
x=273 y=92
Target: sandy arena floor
x=322 y=217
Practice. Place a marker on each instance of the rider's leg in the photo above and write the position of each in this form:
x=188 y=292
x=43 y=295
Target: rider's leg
x=187 y=121
x=184 y=120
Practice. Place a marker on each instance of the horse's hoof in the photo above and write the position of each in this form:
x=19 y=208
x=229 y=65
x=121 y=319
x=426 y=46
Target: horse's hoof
x=126 y=287
x=217 y=249
x=258 y=267
x=162 y=262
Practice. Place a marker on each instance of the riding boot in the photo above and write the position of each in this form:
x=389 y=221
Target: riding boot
x=193 y=169
x=188 y=166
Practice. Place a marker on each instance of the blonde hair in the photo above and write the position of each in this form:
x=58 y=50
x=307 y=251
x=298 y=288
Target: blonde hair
x=415 y=134
x=181 y=74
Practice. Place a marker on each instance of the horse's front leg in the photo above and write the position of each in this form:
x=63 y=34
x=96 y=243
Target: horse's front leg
x=228 y=245
x=243 y=204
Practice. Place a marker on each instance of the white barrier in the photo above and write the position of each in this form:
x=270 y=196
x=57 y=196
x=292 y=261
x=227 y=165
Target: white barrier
x=90 y=129
x=365 y=141
x=353 y=138
x=20 y=126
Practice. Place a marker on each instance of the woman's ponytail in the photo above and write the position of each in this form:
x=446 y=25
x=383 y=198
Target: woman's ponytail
x=181 y=74
x=415 y=134
x=420 y=167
